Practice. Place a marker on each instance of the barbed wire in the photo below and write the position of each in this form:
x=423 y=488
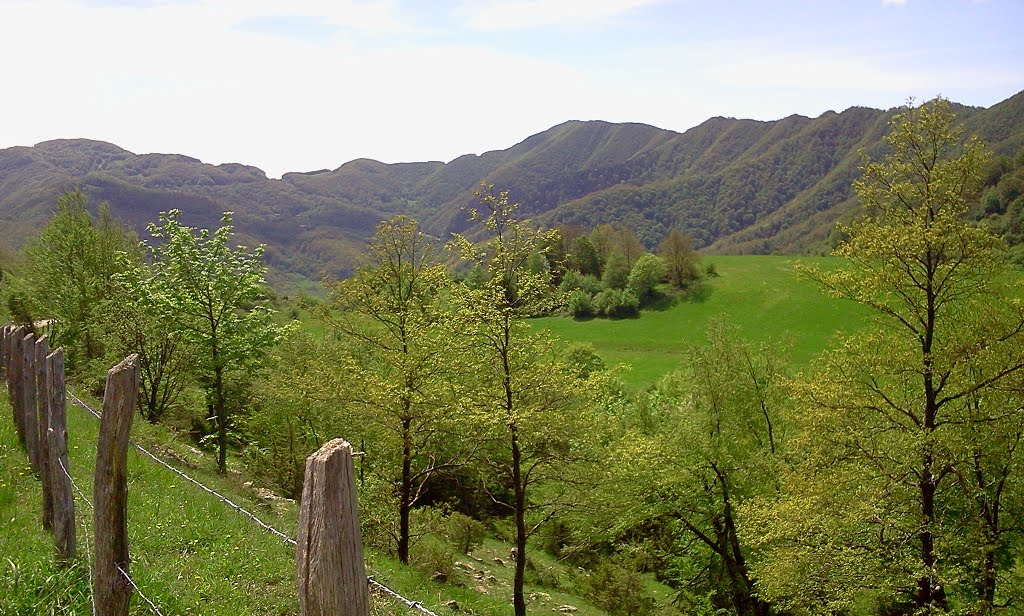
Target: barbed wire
x=267 y=527
x=88 y=550
x=138 y=590
x=416 y=605
x=195 y=482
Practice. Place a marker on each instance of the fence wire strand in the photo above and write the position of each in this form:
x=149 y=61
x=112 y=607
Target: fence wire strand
x=88 y=550
x=138 y=590
x=416 y=605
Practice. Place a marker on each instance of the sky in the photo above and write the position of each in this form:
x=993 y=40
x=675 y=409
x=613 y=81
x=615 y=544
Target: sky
x=301 y=85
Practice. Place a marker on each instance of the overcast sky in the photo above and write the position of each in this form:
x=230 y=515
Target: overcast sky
x=310 y=84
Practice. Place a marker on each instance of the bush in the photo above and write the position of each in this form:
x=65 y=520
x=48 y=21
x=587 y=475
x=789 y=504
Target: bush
x=618 y=589
x=573 y=281
x=463 y=532
x=616 y=304
x=580 y=304
x=711 y=271
x=435 y=559
x=582 y=360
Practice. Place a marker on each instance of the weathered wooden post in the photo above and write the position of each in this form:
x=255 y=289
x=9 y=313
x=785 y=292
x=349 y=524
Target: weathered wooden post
x=14 y=381
x=29 y=412
x=43 y=400
x=329 y=554
x=3 y=349
x=110 y=490
x=57 y=435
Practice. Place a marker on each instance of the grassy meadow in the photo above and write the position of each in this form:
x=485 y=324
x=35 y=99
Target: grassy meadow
x=762 y=295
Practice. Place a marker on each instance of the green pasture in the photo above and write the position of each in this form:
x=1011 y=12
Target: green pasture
x=762 y=295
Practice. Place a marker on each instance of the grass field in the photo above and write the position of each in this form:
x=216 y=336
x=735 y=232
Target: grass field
x=192 y=554
x=760 y=294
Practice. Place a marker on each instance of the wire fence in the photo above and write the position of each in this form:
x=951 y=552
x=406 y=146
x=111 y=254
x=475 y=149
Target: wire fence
x=414 y=605
x=85 y=535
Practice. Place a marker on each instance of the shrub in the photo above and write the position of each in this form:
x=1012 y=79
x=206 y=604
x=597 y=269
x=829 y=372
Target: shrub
x=616 y=303
x=617 y=589
x=580 y=304
x=573 y=280
x=435 y=559
x=463 y=532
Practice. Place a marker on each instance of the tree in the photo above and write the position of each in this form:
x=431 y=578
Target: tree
x=69 y=268
x=215 y=294
x=616 y=272
x=138 y=324
x=583 y=256
x=628 y=245
x=401 y=373
x=710 y=438
x=524 y=397
x=681 y=260
x=888 y=421
x=648 y=272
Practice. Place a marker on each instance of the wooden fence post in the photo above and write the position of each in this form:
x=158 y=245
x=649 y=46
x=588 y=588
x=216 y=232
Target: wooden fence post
x=30 y=414
x=43 y=399
x=14 y=381
x=57 y=435
x=3 y=349
x=329 y=551
x=110 y=490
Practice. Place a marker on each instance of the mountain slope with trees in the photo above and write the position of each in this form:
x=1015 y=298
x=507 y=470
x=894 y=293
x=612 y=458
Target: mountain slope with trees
x=739 y=186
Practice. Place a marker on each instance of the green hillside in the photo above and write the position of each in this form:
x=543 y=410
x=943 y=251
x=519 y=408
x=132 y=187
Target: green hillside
x=737 y=186
x=761 y=294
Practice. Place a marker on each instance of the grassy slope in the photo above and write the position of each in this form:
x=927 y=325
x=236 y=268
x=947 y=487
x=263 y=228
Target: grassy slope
x=191 y=554
x=760 y=294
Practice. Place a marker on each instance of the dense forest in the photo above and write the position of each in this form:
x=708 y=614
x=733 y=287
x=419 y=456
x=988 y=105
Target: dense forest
x=884 y=480
x=739 y=186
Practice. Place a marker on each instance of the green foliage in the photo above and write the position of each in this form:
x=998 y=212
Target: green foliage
x=645 y=276
x=580 y=304
x=214 y=293
x=616 y=304
x=524 y=401
x=876 y=503
x=575 y=281
x=403 y=365
x=616 y=587
x=70 y=267
x=583 y=257
x=682 y=263
x=463 y=532
x=616 y=272
x=583 y=360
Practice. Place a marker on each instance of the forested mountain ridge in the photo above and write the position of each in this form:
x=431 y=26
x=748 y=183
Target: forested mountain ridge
x=736 y=185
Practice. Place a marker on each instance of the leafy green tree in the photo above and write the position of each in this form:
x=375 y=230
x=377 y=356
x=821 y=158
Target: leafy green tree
x=138 y=323
x=681 y=260
x=891 y=421
x=583 y=256
x=404 y=365
x=523 y=397
x=69 y=269
x=628 y=245
x=709 y=438
x=616 y=272
x=215 y=294
x=645 y=276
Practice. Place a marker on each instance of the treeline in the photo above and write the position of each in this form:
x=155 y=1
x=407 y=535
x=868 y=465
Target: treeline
x=886 y=481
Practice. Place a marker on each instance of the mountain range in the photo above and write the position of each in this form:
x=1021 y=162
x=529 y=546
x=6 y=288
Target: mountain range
x=738 y=186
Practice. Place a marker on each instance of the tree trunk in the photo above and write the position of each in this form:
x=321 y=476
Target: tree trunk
x=405 y=496
x=518 y=598
x=222 y=418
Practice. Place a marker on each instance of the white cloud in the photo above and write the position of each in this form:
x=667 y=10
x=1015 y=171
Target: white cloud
x=894 y=2
x=525 y=14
